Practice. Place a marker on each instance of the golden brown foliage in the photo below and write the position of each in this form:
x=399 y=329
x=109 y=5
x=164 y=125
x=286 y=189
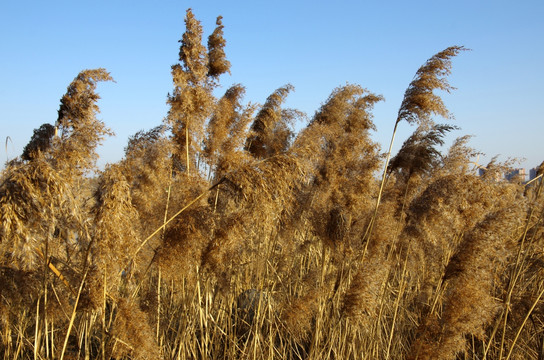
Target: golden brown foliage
x=40 y=141
x=80 y=130
x=226 y=235
x=419 y=102
x=270 y=133
x=217 y=60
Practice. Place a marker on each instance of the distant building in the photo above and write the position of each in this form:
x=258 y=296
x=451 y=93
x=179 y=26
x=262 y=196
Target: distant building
x=532 y=173
x=516 y=174
x=520 y=174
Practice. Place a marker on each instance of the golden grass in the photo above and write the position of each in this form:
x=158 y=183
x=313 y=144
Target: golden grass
x=224 y=235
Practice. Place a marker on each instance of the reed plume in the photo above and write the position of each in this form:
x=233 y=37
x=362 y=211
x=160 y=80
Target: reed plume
x=32 y=198
x=226 y=132
x=418 y=153
x=420 y=103
x=148 y=168
x=80 y=132
x=192 y=100
x=270 y=131
x=133 y=334
x=342 y=158
x=469 y=304
x=217 y=59
x=224 y=234
x=39 y=142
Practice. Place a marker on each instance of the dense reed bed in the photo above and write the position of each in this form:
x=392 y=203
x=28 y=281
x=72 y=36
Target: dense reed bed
x=223 y=234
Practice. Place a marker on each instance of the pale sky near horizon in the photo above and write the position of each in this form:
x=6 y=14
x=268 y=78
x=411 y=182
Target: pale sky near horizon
x=314 y=45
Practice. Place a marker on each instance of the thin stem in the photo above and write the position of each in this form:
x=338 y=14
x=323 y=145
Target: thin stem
x=187 y=147
x=370 y=227
x=159 y=270
x=523 y=324
x=74 y=312
x=397 y=303
x=37 y=333
x=103 y=318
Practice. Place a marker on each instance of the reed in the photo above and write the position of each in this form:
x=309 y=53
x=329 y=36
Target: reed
x=225 y=234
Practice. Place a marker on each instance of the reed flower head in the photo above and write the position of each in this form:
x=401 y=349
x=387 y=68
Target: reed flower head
x=420 y=102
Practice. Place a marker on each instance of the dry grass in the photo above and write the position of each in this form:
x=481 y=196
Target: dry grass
x=222 y=234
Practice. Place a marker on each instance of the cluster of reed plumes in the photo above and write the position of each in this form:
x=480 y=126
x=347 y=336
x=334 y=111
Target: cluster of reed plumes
x=222 y=234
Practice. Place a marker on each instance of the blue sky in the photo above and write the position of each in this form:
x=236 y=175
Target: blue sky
x=314 y=45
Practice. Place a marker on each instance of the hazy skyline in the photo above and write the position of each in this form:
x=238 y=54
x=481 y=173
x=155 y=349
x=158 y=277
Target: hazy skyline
x=315 y=46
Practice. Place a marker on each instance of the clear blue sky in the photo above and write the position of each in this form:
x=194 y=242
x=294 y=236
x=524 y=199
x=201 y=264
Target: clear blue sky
x=314 y=45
